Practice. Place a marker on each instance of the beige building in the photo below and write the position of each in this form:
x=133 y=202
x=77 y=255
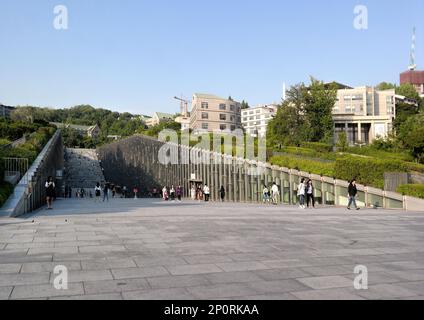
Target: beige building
x=159 y=117
x=212 y=113
x=364 y=113
x=255 y=120
x=88 y=131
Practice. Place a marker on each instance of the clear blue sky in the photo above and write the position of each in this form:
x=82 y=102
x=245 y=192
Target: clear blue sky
x=135 y=55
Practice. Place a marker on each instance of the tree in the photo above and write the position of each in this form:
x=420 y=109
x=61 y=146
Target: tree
x=405 y=110
x=244 y=105
x=319 y=102
x=342 y=143
x=411 y=136
x=385 y=86
x=289 y=125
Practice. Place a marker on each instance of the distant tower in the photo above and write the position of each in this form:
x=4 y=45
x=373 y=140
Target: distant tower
x=412 y=65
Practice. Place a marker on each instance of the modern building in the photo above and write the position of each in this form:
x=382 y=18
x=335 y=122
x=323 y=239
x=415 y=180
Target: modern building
x=255 y=120
x=159 y=117
x=364 y=113
x=88 y=131
x=414 y=77
x=211 y=113
x=5 y=111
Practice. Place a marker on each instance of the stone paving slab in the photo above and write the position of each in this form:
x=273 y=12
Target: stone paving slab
x=148 y=249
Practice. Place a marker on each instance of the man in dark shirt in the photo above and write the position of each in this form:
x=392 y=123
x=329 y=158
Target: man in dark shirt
x=353 y=192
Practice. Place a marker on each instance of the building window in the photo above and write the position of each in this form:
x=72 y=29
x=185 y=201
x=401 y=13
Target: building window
x=205 y=115
x=232 y=107
x=223 y=127
x=205 y=126
x=223 y=117
x=245 y=119
x=232 y=118
x=222 y=107
x=233 y=127
x=205 y=105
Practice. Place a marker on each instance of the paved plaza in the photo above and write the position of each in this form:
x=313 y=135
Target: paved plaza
x=148 y=249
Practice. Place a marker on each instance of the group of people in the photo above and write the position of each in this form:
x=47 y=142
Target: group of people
x=306 y=194
x=200 y=193
x=172 y=194
x=271 y=195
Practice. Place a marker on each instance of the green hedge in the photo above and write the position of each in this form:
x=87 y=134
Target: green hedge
x=315 y=167
x=319 y=147
x=413 y=190
x=367 y=171
x=380 y=154
x=6 y=190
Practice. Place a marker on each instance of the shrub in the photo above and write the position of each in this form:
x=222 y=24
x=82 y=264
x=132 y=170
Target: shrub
x=315 y=167
x=317 y=146
x=367 y=171
x=413 y=190
x=6 y=190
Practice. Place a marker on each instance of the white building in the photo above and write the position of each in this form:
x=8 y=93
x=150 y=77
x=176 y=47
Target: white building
x=255 y=120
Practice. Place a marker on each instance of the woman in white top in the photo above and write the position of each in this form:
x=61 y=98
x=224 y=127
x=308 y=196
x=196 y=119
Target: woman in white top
x=301 y=192
x=275 y=193
x=98 y=192
x=206 y=192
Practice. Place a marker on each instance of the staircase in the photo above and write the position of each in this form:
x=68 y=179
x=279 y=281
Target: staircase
x=83 y=169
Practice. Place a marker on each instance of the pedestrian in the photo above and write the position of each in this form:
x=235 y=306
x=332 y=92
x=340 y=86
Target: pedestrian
x=310 y=194
x=155 y=192
x=124 y=192
x=199 y=194
x=98 y=192
x=50 y=192
x=275 y=193
x=179 y=193
x=172 y=193
x=193 y=192
x=265 y=194
x=301 y=191
x=82 y=193
x=106 y=192
x=165 y=194
x=352 y=194
x=135 y=190
x=113 y=191
x=206 y=192
x=222 y=193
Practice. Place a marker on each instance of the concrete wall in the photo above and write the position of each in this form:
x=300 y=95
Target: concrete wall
x=29 y=194
x=134 y=162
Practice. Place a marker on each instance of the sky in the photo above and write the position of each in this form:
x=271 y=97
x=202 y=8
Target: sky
x=136 y=55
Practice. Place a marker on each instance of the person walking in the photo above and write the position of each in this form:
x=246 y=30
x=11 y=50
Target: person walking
x=106 y=192
x=206 y=192
x=275 y=193
x=179 y=193
x=301 y=192
x=97 y=192
x=50 y=192
x=352 y=194
x=199 y=193
x=310 y=191
x=265 y=194
x=222 y=193
x=172 y=193
x=124 y=192
x=135 y=190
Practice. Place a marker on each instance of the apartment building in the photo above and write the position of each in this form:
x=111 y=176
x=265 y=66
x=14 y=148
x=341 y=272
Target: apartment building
x=211 y=113
x=255 y=120
x=364 y=113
